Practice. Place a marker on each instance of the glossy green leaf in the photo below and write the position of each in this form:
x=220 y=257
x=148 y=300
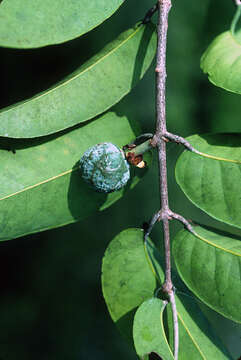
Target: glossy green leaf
x=222 y=61
x=41 y=187
x=148 y=330
x=196 y=338
x=31 y=24
x=89 y=91
x=127 y=278
x=212 y=181
x=209 y=264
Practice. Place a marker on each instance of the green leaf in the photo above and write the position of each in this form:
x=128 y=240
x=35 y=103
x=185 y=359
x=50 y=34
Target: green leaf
x=148 y=330
x=209 y=264
x=222 y=61
x=87 y=92
x=41 y=187
x=196 y=338
x=127 y=277
x=128 y=280
x=31 y=24
x=212 y=181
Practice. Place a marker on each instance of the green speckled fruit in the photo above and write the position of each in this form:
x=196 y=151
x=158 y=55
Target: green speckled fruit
x=104 y=167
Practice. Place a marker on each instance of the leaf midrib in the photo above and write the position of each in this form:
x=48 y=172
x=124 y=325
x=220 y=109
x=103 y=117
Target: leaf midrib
x=215 y=245
x=219 y=158
x=40 y=183
x=191 y=337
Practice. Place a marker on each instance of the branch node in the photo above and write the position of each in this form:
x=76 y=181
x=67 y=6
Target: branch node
x=180 y=140
x=184 y=221
x=154 y=141
x=167 y=287
x=160 y=140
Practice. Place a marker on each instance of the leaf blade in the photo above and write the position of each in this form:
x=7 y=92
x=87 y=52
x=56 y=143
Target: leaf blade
x=89 y=91
x=127 y=279
x=195 y=332
x=148 y=330
x=138 y=263
x=48 y=22
x=221 y=61
x=209 y=264
x=41 y=185
x=212 y=181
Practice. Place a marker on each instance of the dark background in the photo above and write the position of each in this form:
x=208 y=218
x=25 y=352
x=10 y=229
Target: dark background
x=51 y=305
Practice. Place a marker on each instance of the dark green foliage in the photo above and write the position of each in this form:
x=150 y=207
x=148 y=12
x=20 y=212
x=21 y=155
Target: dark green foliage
x=86 y=92
x=50 y=305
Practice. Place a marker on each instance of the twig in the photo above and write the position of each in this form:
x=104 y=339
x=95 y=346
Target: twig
x=155 y=218
x=236 y=16
x=149 y=14
x=184 y=221
x=175 y=322
x=167 y=136
x=164 y=7
x=180 y=140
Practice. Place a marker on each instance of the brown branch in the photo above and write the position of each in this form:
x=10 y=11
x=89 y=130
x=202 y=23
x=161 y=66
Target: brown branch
x=159 y=140
x=180 y=140
x=184 y=221
x=155 y=218
x=167 y=136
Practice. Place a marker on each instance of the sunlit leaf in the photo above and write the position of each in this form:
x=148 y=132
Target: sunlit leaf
x=30 y=24
x=131 y=273
x=127 y=278
x=41 y=187
x=212 y=181
x=90 y=90
x=222 y=61
x=148 y=330
x=209 y=264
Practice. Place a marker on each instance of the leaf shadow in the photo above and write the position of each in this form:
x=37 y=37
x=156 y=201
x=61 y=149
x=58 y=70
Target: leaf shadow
x=125 y=325
x=82 y=199
x=223 y=139
x=219 y=231
x=202 y=322
x=14 y=144
x=39 y=69
x=122 y=108
x=140 y=56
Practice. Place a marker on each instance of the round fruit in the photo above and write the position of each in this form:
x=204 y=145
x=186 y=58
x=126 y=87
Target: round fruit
x=104 y=167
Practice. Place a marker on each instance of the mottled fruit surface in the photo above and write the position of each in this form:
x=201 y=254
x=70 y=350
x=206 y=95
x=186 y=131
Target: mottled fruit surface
x=104 y=167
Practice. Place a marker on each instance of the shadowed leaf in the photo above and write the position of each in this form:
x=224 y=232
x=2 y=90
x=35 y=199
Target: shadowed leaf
x=196 y=337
